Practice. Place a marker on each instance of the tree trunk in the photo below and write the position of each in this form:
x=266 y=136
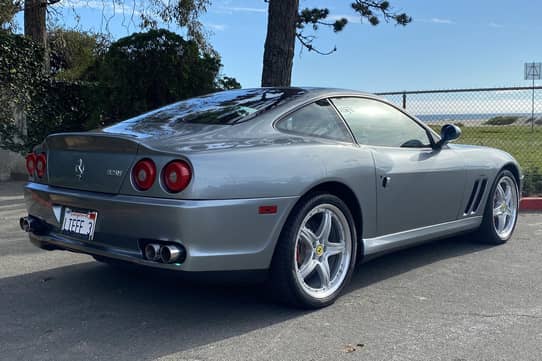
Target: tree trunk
x=278 y=57
x=35 y=26
x=34 y=20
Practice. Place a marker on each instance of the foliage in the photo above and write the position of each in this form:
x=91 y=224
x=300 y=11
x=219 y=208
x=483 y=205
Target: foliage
x=47 y=105
x=20 y=65
x=529 y=120
x=502 y=120
x=227 y=83
x=287 y=22
x=184 y=13
x=90 y=86
x=374 y=11
x=62 y=106
x=72 y=52
x=8 y=9
x=21 y=80
x=147 y=70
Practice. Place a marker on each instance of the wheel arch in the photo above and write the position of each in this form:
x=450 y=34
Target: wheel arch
x=515 y=171
x=347 y=195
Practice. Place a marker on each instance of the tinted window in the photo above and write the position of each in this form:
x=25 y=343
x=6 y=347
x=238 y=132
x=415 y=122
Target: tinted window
x=318 y=119
x=222 y=108
x=376 y=123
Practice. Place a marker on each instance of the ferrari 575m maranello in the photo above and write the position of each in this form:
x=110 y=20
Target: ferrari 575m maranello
x=300 y=183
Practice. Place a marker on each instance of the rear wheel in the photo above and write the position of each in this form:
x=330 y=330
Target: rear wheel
x=501 y=212
x=315 y=255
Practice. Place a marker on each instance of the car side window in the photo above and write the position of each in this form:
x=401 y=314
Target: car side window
x=376 y=123
x=318 y=119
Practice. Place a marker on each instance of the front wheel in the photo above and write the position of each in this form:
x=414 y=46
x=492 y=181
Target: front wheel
x=501 y=212
x=315 y=255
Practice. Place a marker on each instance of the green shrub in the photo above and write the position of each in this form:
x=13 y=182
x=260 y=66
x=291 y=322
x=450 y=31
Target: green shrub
x=61 y=106
x=8 y=10
x=22 y=80
x=47 y=105
x=148 y=70
x=68 y=106
x=89 y=87
x=72 y=53
x=502 y=120
x=529 y=120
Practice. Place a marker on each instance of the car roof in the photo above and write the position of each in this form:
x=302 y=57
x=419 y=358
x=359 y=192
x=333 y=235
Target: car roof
x=309 y=93
x=316 y=91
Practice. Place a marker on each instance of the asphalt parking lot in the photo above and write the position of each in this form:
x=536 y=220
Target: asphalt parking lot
x=448 y=300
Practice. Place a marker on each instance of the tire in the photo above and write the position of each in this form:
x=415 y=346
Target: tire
x=299 y=276
x=498 y=224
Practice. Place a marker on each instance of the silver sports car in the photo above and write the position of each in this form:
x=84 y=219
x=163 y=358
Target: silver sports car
x=300 y=183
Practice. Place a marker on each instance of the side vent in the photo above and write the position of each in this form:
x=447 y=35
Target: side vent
x=475 y=197
x=479 y=196
x=472 y=195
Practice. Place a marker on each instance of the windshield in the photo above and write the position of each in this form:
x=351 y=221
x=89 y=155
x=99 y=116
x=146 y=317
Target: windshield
x=222 y=108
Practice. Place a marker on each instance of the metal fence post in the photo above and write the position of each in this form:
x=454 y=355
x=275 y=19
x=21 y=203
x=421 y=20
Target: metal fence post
x=532 y=111
x=404 y=99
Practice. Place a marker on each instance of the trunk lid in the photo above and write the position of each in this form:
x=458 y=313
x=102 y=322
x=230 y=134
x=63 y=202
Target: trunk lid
x=90 y=162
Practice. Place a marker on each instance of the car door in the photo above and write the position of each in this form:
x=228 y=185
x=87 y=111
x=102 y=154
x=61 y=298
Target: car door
x=417 y=186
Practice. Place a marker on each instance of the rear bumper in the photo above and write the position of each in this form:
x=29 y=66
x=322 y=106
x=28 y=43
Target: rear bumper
x=218 y=235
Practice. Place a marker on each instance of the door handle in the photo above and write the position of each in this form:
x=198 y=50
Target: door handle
x=386 y=181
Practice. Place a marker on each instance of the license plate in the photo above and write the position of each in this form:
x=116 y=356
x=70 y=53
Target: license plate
x=80 y=222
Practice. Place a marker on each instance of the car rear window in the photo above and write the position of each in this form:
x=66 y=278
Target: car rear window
x=222 y=108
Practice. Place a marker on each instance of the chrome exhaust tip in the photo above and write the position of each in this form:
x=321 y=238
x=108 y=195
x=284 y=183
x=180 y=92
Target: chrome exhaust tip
x=152 y=252
x=171 y=254
x=24 y=223
x=32 y=225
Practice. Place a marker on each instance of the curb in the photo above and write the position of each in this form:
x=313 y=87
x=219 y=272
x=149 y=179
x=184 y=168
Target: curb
x=530 y=204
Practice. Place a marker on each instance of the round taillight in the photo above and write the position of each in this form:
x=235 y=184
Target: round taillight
x=144 y=174
x=31 y=163
x=41 y=164
x=176 y=176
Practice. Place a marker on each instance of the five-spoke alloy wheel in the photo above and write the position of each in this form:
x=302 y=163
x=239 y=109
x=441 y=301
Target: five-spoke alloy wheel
x=505 y=206
x=323 y=251
x=501 y=210
x=316 y=253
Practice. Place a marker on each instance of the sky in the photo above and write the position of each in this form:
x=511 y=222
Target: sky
x=449 y=44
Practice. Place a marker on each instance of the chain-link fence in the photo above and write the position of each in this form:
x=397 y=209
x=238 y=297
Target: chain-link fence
x=504 y=118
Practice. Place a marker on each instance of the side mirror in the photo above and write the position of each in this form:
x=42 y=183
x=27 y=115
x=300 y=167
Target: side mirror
x=448 y=133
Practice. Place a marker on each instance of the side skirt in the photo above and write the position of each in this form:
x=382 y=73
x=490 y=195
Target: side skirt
x=390 y=242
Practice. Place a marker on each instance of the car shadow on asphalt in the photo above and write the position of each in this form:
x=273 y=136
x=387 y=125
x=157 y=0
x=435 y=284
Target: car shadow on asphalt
x=395 y=263
x=93 y=311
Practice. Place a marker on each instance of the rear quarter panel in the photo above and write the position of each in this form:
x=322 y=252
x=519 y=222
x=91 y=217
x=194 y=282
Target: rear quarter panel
x=284 y=171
